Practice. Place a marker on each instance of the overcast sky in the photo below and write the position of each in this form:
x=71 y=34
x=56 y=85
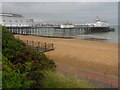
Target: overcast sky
x=59 y=12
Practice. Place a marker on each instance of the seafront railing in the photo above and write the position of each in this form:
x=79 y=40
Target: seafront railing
x=39 y=46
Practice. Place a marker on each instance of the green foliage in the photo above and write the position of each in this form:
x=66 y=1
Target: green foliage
x=6 y=34
x=23 y=67
x=0 y=38
x=18 y=53
x=29 y=62
x=0 y=32
x=10 y=44
x=13 y=79
x=59 y=80
x=0 y=70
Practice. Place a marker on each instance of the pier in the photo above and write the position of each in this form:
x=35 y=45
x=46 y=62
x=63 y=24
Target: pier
x=17 y=24
x=56 y=31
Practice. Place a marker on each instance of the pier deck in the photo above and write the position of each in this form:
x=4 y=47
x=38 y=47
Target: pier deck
x=56 y=31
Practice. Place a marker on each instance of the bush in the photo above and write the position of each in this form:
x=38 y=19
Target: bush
x=27 y=60
x=10 y=44
x=13 y=79
x=30 y=61
x=20 y=54
x=0 y=70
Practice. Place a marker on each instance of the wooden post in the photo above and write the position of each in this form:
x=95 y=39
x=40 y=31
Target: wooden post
x=52 y=46
x=33 y=43
x=38 y=44
x=37 y=48
x=45 y=46
x=27 y=42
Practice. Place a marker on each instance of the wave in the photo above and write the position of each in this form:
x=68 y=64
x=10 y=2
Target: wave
x=93 y=36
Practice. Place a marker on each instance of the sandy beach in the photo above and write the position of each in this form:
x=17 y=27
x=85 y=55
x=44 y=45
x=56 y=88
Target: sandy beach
x=100 y=57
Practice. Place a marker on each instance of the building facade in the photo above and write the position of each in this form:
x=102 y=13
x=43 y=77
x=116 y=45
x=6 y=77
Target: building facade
x=15 y=20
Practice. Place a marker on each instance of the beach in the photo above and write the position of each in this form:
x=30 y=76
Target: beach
x=99 y=57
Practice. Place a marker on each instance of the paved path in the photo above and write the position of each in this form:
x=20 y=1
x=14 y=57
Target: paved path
x=88 y=75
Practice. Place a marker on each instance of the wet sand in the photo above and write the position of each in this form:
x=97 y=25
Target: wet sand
x=99 y=57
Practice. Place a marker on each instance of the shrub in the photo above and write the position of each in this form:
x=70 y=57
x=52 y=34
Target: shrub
x=27 y=60
x=10 y=44
x=0 y=70
x=18 y=53
x=13 y=79
x=33 y=62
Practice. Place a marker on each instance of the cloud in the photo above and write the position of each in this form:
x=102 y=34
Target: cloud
x=58 y=12
x=60 y=1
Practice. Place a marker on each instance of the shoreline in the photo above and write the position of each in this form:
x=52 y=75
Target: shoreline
x=96 y=56
x=73 y=37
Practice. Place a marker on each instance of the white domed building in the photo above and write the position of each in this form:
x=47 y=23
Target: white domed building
x=15 y=20
x=98 y=23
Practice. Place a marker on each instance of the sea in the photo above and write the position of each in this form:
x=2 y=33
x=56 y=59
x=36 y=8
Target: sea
x=112 y=36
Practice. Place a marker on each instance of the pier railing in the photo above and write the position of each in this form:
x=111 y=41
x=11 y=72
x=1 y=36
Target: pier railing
x=40 y=46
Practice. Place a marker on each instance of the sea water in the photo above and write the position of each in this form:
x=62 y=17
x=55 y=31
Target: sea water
x=112 y=36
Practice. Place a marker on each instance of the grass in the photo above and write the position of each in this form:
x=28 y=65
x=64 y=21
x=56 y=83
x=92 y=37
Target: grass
x=0 y=71
x=59 y=80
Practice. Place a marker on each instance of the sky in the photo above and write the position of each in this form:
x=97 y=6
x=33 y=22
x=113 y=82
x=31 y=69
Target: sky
x=59 y=0
x=60 y=12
